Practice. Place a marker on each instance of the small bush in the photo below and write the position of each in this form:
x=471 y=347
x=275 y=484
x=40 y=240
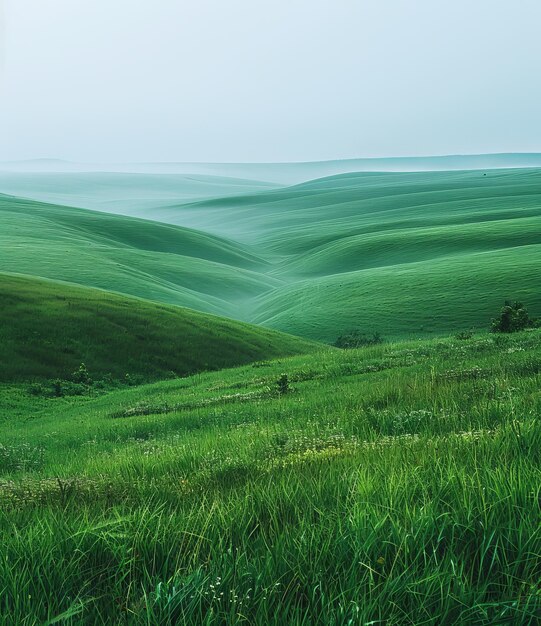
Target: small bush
x=81 y=375
x=356 y=339
x=283 y=384
x=463 y=335
x=513 y=317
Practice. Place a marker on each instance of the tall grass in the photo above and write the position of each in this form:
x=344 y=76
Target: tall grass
x=397 y=484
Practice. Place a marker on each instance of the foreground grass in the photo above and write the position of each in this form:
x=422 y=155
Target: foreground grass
x=393 y=485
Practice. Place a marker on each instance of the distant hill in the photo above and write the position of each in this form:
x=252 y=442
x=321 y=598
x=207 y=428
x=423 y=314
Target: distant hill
x=123 y=193
x=47 y=329
x=286 y=173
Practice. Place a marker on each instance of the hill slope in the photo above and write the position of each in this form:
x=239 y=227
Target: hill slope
x=410 y=299
x=137 y=257
x=404 y=253
x=47 y=329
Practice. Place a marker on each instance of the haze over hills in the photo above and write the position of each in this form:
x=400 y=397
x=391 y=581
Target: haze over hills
x=287 y=172
x=144 y=189
x=400 y=253
x=123 y=193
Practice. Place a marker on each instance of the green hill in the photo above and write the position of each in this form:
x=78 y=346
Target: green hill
x=137 y=257
x=408 y=300
x=403 y=253
x=390 y=484
x=47 y=329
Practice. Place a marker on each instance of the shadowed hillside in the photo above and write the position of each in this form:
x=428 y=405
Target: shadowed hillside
x=47 y=329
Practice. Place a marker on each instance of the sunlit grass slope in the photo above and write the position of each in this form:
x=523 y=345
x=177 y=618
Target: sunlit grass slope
x=392 y=485
x=414 y=299
x=47 y=329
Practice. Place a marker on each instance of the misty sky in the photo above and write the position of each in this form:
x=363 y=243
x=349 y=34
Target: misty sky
x=267 y=80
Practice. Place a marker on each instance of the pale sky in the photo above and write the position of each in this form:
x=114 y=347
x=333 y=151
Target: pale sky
x=267 y=80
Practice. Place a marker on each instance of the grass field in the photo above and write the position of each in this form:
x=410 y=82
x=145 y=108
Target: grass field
x=391 y=485
x=404 y=254
x=200 y=469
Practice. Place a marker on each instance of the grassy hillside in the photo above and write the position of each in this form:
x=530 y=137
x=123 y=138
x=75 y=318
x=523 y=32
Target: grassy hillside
x=392 y=485
x=299 y=218
x=404 y=254
x=396 y=484
x=136 y=257
x=412 y=299
x=47 y=329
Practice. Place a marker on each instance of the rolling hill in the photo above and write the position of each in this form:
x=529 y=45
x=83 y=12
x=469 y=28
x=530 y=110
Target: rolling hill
x=141 y=258
x=47 y=329
x=395 y=482
x=406 y=254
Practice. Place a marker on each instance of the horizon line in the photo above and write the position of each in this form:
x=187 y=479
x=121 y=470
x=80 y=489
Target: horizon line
x=295 y=162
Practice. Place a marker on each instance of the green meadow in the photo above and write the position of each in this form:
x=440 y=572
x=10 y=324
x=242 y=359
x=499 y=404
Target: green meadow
x=404 y=254
x=398 y=484
x=180 y=442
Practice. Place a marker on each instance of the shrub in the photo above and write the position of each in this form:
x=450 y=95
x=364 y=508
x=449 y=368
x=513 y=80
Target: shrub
x=283 y=384
x=81 y=375
x=513 y=318
x=464 y=335
x=356 y=339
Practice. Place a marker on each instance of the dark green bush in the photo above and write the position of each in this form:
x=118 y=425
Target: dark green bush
x=283 y=384
x=81 y=375
x=513 y=317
